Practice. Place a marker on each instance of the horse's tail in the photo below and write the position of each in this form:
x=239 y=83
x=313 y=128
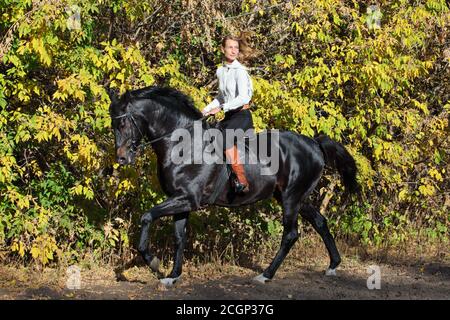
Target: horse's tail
x=338 y=157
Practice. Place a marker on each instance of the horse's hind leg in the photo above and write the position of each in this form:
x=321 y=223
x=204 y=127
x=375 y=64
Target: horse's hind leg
x=319 y=224
x=290 y=236
x=180 y=221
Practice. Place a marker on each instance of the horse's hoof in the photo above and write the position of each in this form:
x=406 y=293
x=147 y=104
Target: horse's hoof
x=331 y=272
x=261 y=279
x=154 y=264
x=121 y=277
x=168 y=282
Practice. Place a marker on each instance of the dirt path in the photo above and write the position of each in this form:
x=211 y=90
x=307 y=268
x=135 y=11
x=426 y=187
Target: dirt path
x=295 y=280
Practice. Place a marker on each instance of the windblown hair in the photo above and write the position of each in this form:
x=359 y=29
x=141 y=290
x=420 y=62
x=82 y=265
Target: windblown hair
x=246 y=53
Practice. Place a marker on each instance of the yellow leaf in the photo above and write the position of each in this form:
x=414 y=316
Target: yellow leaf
x=35 y=252
x=403 y=194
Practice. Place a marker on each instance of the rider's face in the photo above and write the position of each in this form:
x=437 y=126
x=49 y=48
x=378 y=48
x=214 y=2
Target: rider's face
x=231 y=50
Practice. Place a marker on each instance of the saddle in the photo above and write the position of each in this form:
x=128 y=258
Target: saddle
x=227 y=174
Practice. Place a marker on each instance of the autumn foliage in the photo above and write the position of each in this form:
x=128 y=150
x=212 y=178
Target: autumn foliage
x=383 y=91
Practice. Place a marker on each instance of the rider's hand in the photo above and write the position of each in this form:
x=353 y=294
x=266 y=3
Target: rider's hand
x=213 y=111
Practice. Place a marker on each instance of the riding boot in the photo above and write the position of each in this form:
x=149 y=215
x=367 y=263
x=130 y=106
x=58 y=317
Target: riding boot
x=241 y=183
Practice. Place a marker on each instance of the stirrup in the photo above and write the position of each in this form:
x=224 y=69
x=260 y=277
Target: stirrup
x=240 y=188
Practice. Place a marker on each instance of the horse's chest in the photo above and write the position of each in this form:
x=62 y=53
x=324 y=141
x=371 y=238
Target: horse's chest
x=166 y=181
x=171 y=179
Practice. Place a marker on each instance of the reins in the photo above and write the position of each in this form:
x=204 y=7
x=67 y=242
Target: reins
x=129 y=115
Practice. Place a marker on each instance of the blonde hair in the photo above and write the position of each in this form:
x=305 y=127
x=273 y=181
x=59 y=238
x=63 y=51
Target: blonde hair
x=246 y=53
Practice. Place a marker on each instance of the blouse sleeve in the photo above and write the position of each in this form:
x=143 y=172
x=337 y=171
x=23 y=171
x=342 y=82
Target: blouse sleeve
x=218 y=100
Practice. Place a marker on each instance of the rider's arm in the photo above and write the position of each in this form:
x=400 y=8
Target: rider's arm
x=217 y=102
x=219 y=99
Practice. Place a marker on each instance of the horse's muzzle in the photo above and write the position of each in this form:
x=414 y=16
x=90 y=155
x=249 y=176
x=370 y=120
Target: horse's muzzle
x=124 y=156
x=123 y=161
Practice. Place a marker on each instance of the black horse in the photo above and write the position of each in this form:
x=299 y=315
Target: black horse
x=155 y=112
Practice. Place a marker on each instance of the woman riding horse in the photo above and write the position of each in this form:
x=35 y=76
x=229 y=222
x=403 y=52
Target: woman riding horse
x=235 y=92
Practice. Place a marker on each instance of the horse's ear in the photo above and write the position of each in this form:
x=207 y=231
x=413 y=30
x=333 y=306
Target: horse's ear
x=113 y=95
x=127 y=95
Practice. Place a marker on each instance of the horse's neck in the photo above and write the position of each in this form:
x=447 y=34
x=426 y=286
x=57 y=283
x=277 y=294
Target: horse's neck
x=163 y=147
x=163 y=122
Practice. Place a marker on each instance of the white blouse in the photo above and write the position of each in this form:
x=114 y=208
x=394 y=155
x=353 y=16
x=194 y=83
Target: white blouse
x=235 y=87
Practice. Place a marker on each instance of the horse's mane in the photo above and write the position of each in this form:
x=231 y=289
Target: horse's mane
x=168 y=97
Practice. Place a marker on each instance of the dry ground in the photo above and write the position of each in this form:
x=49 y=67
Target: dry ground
x=422 y=275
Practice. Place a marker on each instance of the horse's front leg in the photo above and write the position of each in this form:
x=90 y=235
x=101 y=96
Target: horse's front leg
x=180 y=221
x=144 y=249
x=171 y=206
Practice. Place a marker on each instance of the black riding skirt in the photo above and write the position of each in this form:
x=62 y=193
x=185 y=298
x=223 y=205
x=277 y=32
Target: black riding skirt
x=236 y=119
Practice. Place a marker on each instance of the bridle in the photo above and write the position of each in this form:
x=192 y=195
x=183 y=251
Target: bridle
x=129 y=116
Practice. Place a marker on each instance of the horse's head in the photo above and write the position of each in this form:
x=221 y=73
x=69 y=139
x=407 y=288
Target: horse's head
x=153 y=111
x=127 y=127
